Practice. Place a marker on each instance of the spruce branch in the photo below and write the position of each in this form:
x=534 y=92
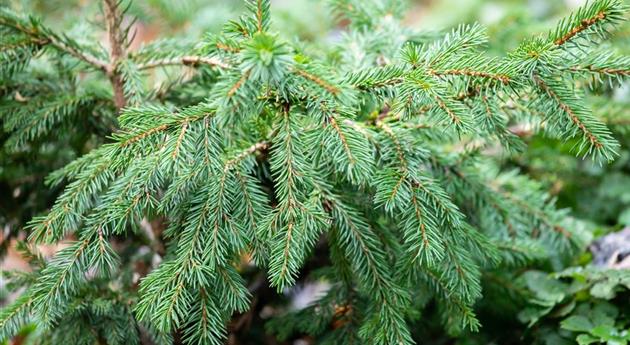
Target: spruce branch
x=377 y=156
x=41 y=35
x=606 y=71
x=65 y=216
x=319 y=81
x=227 y=48
x=455 y=303
x=174 y=120
x=259 y=146
x=540 y=215
x=260 y=8
x=42 y=115
x=234 y=89
x=584 y=24
x=601 y=66
x=296 y=222
x=596 y=138
x=588 y=19
x=15 y=316
x=360 y=245
x=64 y=276
x=383 y=77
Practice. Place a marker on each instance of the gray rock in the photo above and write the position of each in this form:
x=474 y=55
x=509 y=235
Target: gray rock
x=612 y=250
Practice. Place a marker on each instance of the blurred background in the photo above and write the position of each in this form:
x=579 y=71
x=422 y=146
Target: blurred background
x=306 y=19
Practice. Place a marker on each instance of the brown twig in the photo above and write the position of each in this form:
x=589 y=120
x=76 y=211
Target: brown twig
x=57 y=44
x=116 y=52
x=454 y=118
x=593 y=69
x=505 y=79
x=188 y=60
x=317 y=80
x=259 y=146
x=238 y=84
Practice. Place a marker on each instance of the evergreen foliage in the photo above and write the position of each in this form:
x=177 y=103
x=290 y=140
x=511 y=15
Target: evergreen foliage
x=380 y=157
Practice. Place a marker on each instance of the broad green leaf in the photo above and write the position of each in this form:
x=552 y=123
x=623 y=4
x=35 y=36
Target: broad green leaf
x=586 y=339
x=577 y=323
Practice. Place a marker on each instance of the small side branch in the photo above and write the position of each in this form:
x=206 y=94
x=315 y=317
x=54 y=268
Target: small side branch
x=472 y=73
x=43 y=36
x=259 y=146
x=239 y=83
x=399 y=148
x=584 y=24
x=188 y=60
x=101 y=65
x=607 y=71
x=317 y=80
x=342 y=137
x=454 y=118
x=572 y=115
